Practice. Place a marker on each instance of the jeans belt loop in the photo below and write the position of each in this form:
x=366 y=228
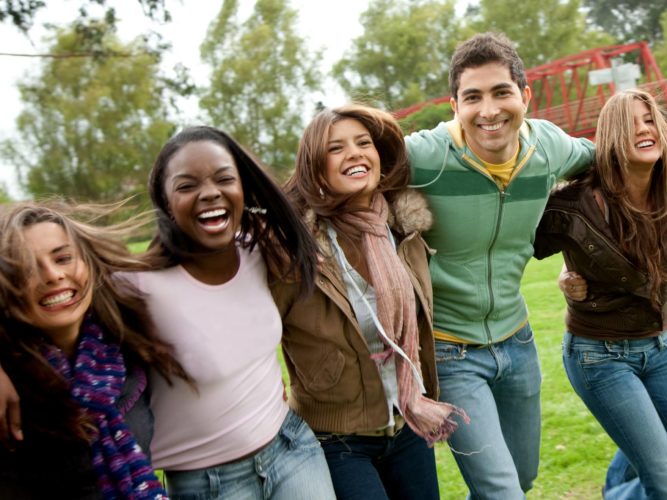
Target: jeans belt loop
x=661 y=340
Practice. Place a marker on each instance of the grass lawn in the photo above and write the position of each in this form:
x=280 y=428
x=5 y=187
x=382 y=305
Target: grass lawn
x=575 y=450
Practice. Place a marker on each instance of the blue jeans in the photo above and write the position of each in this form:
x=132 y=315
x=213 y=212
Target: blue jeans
x=498 y=386
x=377 y=468
x=622 y=481
x=290 y=467
x=624 y=385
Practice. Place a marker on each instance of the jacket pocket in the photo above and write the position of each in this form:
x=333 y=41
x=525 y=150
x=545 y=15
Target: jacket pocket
x=324 y=373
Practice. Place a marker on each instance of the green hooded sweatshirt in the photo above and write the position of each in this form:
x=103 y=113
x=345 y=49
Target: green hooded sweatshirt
x=484 y=233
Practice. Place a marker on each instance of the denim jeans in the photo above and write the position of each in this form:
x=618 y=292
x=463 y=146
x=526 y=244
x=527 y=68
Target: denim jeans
x=624 y=385
x=290 y=467
x=498 y=385
x=622 y=482
x=377 y=468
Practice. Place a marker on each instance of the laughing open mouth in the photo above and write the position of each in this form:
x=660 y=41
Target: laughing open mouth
x=355 y=171
x=57 y=299
x=214 y=220
x=647 y=143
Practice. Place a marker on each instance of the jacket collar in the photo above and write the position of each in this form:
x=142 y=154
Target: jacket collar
x=408 y=213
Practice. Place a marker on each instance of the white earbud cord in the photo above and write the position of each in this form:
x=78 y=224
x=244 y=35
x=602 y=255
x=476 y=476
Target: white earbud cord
x=442 y=169
x=389 y=341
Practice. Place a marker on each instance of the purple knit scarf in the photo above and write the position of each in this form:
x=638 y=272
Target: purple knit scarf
x=96 y=382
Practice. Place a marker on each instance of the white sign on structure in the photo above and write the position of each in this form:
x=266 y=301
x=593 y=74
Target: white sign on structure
x=623 y=76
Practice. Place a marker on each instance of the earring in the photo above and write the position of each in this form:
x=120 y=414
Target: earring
x=255 y=210
x=321 y=193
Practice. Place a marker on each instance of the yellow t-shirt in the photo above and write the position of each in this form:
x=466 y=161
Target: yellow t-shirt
x=502 y=172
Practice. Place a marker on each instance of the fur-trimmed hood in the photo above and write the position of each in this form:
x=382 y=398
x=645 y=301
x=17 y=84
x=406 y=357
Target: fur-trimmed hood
x=408 y=213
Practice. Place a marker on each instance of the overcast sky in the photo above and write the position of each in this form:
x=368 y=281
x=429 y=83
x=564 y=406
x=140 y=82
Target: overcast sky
x=329 y=25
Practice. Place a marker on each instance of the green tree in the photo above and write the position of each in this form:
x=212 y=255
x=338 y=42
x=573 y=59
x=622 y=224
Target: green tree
x=660 y=48
x=402 y=57
x=427 y=117
x=628 y=20
x=543 y=30
x=261 y=72
x=21 y=13
x=91 y=126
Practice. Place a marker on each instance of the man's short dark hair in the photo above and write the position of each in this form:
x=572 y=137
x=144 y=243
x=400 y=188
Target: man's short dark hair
x=481 y=49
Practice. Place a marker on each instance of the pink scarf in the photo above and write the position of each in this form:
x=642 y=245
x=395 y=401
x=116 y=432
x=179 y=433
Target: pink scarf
x=397 y=312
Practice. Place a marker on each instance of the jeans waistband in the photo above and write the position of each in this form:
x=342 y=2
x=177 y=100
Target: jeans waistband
x=620 y=345
x=389 y=431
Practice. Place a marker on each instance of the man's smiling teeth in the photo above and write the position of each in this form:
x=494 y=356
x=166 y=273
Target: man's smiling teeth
x=356 y=170
x=490 y=127
x=54 y=300
x=645 y=144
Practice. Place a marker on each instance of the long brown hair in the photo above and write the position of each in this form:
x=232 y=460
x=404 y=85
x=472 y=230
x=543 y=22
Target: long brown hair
x=308 y=187
x=642 y=234
x=116 y=306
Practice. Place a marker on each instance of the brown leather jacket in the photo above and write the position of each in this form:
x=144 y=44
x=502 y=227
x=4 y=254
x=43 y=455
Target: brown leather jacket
x=617 y=304
x=335 y=386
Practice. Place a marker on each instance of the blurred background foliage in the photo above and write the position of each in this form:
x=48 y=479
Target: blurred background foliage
x=98 y=109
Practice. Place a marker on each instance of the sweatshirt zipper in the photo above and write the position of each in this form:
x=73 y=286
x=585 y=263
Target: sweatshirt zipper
x=502 y=194
x=489 y=262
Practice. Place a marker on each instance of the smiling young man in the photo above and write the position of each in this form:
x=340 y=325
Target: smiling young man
x=487 y=175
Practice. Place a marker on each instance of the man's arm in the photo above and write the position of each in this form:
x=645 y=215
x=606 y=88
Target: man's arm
x=568 y=156
x=426 y=153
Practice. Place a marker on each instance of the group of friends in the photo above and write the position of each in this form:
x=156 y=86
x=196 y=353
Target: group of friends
x=387 y=268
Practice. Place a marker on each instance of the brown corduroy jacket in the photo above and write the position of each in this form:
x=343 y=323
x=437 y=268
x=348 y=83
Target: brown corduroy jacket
x=335 y=386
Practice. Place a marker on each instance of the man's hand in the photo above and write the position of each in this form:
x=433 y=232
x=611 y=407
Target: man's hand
x=10 y=412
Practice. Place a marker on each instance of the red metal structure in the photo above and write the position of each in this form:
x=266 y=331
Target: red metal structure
x=562 y=94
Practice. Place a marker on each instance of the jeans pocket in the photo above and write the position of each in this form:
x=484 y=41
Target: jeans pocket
x=525 y=335
x=596 y=369
x=594 y=358
x=449 y=351
x=191 y=485
x=297 y=434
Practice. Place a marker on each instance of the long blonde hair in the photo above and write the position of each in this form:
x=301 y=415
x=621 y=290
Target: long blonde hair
x=641 y=233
